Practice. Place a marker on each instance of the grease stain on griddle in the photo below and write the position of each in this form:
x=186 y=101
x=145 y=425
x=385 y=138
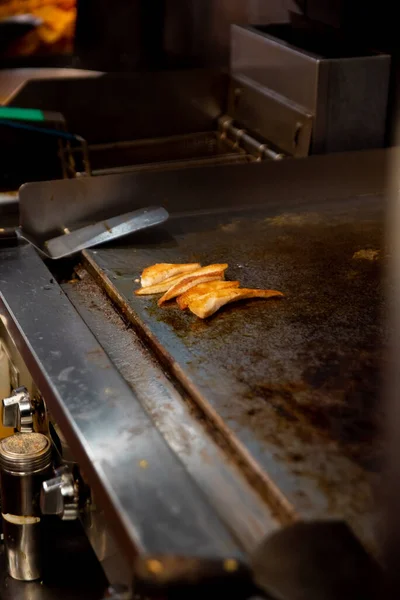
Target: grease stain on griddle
x=294 y=219
x=366 y=254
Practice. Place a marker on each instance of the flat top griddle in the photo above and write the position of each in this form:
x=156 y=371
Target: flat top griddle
x=293 y=384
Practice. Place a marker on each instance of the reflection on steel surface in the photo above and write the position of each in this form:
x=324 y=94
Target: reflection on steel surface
x=210 y=466
x=109 y=432
x=11 y=81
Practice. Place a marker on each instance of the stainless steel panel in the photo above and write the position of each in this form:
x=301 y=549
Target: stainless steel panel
x=275 y=65
x=192 y=101
x=12 y=80
x=70 y=203
x=213 y=470
x=146 y=493
x=270 y=117
x=347 y=95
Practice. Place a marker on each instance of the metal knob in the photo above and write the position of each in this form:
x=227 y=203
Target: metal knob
x=59 y=496
x=17 y=411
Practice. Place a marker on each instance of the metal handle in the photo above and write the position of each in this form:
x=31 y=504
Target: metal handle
x=17 y=411
x=60 y=496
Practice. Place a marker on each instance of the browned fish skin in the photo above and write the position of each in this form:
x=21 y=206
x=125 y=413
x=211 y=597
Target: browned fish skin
x=188 y=283
x=201 y=289
x=209 y=273
x=161 y=287
x=159 y=272
x=207 y=305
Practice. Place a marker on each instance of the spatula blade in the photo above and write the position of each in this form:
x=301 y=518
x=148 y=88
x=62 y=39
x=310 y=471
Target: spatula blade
x=104 y=231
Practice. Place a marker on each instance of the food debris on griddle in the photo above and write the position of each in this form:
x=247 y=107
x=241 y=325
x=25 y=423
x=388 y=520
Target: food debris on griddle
x=366 y=254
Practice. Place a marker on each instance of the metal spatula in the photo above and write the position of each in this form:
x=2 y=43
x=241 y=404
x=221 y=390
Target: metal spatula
x=98 y=233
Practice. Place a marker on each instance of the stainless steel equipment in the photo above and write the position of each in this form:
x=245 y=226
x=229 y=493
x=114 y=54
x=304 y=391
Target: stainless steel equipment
x=134 y=437
x=187 y=451
x=12 y=80
x=287 y=94
x=93 y=234
x=25 y=461
x=17 y=411
x=341 y=87
x=191 y=128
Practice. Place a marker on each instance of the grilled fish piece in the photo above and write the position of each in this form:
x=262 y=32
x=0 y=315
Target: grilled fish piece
x=161 y=287
x=188 y=283
x=202 y=289
x=207 y=305
x=209 y=273
x=162 y=271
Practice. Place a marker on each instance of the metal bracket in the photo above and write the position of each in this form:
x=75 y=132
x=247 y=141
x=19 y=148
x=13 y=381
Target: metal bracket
x=270 y=116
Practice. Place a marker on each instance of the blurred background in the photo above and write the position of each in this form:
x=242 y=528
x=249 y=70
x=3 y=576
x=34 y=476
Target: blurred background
x=37 y=27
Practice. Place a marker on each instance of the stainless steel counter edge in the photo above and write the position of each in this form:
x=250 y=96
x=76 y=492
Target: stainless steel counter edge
x=150 y=500
x=239 y=506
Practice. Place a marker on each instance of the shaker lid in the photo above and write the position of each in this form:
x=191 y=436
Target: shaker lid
x=25 y=452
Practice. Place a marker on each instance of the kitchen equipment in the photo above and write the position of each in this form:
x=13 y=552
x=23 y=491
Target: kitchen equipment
x=105 y=231
x=94 y=234
x=190 y=443
x=247 y=416
x=25 y=460
x=342 y=86
x=264 y=372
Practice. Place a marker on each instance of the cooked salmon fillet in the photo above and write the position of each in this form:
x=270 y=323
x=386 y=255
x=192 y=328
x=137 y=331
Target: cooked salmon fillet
x=161 y=287
x=201 y=289
x=160 y=272
x=207 y=305
x=209 y=273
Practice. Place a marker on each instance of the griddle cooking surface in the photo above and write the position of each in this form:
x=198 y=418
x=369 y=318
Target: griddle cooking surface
x=296 y=381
